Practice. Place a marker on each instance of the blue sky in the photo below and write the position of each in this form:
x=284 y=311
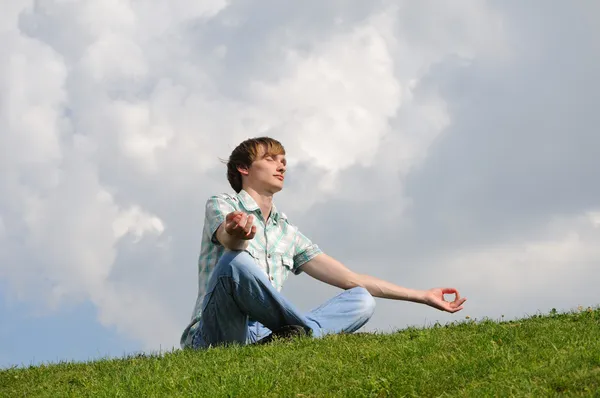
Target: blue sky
x=430 y=144
x=69 y=334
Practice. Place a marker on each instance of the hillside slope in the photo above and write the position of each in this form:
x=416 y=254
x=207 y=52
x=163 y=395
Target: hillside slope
x=540 y=355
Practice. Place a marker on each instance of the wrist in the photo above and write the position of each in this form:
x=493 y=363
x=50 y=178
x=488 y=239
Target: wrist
x=233 y=242
x=420 y=296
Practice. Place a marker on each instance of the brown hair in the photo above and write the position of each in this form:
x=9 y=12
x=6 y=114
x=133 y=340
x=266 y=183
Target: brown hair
x=246 y=153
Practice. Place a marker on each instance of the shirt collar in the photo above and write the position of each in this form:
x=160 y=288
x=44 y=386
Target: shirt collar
x=250 y=204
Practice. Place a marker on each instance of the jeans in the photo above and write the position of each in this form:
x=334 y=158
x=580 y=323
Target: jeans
x=241 y=306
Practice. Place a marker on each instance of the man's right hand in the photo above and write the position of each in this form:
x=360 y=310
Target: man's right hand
x=240 y=225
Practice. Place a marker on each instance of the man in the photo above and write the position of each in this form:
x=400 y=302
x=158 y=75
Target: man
x=249 y=248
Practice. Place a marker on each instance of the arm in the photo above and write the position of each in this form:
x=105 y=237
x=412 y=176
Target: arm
x=329 y=270
x=236 y=231
x=226 y=225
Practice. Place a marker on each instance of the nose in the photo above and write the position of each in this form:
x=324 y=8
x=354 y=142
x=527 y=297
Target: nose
x=281 y=168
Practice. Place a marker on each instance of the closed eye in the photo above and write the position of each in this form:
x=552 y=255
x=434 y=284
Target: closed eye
x=270 y=158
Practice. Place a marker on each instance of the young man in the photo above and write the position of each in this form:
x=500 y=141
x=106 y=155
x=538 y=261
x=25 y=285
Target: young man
x=248 y=250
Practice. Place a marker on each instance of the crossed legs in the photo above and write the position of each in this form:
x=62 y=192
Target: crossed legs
x=241 y=306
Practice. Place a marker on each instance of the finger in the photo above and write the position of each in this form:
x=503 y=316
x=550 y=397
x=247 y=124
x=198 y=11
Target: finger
x=241 y=222
x=249 y=224
x=461 y=301
x=236 y=217
x=252 y=232
x=232 y=215
x=449 y=290
x=453 y=309
x=229 y=226
x=459 y=306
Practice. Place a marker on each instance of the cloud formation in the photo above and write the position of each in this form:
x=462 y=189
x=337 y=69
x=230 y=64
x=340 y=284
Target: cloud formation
x=456 y=141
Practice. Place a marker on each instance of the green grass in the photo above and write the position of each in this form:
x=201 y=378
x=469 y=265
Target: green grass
x=555 y=354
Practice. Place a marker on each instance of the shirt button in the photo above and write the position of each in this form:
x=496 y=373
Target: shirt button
x=270 y=277
x=268 y=256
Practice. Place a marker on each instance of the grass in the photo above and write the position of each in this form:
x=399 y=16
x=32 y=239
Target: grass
x=557 y=354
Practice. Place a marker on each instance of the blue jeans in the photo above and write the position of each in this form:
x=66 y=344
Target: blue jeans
x=241 y=306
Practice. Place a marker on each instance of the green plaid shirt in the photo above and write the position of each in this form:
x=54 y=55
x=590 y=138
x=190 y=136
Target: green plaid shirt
x=278 y=247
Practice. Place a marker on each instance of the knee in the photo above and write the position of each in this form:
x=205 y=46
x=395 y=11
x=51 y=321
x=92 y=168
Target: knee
x=236 y=263
x=366 y=301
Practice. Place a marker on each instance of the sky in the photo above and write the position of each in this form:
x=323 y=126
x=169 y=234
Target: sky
x=429 y=144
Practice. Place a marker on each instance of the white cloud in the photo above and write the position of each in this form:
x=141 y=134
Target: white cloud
x=569 y=247
x=556 y=270
x=137 y=222
x=337 y=101
x=594 y=218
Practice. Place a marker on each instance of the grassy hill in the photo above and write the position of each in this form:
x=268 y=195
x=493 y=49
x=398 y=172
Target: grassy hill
x=554 y=354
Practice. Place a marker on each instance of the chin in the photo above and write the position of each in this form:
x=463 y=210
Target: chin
x=277 y=188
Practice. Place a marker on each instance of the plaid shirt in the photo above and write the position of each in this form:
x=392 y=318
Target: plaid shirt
x=278 y=247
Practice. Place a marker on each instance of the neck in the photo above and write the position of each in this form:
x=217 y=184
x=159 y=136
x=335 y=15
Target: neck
x=264 y=200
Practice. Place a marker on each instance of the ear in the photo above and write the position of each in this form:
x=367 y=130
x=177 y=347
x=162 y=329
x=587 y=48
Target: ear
x=243 y=170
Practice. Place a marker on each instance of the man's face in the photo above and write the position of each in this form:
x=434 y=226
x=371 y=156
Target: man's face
x=267 y=172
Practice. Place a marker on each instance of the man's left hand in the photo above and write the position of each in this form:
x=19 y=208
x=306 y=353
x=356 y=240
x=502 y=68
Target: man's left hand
x=435 y=298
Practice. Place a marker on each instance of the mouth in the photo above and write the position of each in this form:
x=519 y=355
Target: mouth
x=279 y=177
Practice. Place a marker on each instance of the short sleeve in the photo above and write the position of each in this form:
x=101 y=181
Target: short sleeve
x=304 y=251
x=217 y=209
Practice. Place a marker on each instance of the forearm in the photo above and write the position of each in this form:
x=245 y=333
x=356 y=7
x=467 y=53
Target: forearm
x=383 y=289
x=329 y=270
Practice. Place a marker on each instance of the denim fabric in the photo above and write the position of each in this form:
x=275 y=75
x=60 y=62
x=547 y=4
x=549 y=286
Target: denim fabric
x=242 y=306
